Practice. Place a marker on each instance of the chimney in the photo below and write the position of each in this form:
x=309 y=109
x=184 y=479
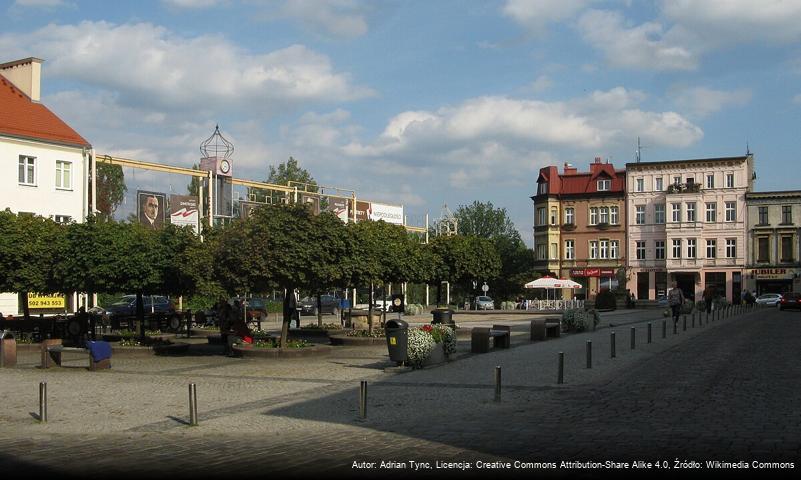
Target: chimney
x=570 y=169
x=597 y=159
x=26 y=75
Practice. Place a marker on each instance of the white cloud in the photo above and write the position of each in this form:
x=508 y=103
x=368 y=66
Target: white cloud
x=343 y=18
x=148 y=64
x=39 y=3
x=541 y=83
x=646 y=46
x=191 y=4
x=537 y=14
x=702 y=101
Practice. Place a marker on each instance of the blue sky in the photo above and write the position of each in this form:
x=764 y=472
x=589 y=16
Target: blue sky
x=423 y=103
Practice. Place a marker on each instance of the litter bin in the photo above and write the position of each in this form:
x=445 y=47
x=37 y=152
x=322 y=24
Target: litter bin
x=397 y=340
x=8 y=349
x=443 y=316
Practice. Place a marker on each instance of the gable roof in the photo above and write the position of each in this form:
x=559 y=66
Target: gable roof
x=23 y=118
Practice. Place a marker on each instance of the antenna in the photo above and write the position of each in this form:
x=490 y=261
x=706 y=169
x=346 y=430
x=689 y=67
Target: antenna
x=638 y=153
x=747 y=149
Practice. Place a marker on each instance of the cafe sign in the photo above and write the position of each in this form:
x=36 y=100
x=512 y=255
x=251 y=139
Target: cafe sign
x=772 y=274
x=592 y=272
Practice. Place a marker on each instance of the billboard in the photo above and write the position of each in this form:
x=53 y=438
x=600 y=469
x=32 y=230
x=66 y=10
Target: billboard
x=184 y=211
x=151 y=208
x=339 y=207
x=41 y=301
x=311 y=201
x=388 y=213
x=246 y=208
x=362 y=211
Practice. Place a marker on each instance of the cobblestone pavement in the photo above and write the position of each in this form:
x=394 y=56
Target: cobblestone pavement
x=726 y=390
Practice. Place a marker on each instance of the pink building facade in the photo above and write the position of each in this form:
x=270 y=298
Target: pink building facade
x=686 y=223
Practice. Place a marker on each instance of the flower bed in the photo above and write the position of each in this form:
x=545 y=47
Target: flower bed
x=424 y=340
x=359 y=337
x=271 y=349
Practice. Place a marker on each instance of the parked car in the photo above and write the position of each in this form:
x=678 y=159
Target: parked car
x=330 y=304
x=255 y=307
x=771 y=299
x=123 y=311
x=484 y=303
x=790 y=300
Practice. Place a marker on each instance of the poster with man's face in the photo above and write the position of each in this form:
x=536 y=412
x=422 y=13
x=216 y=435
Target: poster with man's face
x=152 y=208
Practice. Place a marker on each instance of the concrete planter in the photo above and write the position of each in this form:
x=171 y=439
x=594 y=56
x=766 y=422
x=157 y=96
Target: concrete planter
x=249 y=351
x=344 y=339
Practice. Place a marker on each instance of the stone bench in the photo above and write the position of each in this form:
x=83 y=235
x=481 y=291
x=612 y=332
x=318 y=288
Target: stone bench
x=53 y=352
x=500 y=336
x=542 y=328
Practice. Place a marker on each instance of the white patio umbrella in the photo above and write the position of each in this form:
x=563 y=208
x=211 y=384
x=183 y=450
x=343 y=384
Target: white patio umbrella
x=550 y=283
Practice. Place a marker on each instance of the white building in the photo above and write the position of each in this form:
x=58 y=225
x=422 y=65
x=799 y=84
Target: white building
x=43 y=162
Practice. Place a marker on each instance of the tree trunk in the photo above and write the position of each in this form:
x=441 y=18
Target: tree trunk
x=289 y=307
x=370 y=309
x=384 y=307
x=26 y=311
x=319 y=310
x=439 y=294
x=140 y=314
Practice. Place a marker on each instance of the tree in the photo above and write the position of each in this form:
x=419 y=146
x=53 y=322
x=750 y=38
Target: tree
x=462 y=259
x=485 y=221
x=333 y=247
x=290 y=171
x=110 y=189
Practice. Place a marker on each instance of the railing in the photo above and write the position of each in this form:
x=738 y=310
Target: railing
x=684 y=188
x=553 y=304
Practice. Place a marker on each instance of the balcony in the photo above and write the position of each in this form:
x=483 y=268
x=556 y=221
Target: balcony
x=569 y=227
x=683 y=188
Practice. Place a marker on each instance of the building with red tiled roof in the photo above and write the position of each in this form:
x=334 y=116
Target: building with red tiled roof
x=44 y=161
x=579 y=225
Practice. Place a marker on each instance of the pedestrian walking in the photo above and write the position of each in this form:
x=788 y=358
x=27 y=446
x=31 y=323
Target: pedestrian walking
x=675 y=300
x=709 y=297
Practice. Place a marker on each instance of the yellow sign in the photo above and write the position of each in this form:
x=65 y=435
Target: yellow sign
x=393 y=341
x=40 y=301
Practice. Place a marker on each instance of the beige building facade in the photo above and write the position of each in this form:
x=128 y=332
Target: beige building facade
x=774 y=226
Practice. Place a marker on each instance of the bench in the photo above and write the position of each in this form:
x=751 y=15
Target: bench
x=52 y=352
x=501 y=336
x=542 y=328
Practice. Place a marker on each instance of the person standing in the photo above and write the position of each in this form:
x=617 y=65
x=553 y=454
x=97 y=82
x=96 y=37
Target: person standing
x=676 y=301
x=709 y=297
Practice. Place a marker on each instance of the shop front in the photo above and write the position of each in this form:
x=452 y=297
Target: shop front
x=773 y=280
x=593 y=280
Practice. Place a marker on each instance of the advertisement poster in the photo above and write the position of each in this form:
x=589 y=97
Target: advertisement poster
x=362 y=211
x=42 y=301
x=184 y=212
x=151 y=208
x=246 y=209
x=388 y=213
x=311 y=201
x=340 y=208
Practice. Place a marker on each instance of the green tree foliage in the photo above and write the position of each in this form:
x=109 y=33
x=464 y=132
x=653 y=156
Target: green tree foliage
x=333 y=247
x=461 y=259
x=485 y=221
x=28 y=254
x=290 y=171
x=110 y=189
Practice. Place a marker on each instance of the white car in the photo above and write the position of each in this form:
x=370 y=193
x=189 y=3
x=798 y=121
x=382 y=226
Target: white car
x=771 y=299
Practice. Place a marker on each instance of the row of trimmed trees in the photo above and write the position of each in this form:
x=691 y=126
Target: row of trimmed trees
x=278 y=247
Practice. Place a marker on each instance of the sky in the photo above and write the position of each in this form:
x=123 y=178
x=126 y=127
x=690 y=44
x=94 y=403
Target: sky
x=422 y=103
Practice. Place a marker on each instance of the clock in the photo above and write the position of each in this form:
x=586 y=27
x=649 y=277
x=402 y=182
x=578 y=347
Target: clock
x=225 y=166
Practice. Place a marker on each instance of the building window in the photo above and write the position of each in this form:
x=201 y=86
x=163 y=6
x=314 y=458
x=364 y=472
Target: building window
x=570 y=252
x=710 y=181
x=604 y=250
x=690 y=181
x=729 y=180
x=731 y=212
x=659 y=249
x=787 y=214
x=613 y=215
x=676 y=248
x=541 y=216
x=604 y=215
x=711 y=248
x=731 y=248
x=542 y=188
x=640 y=249
x=594 y=216
x=691 y=211
x=639 y=215
x=27 y=170
x=676 y=180
x=676 y=209
x=763 y=215
x=691 y=248
x=659 y=213
x=614 y=249
x=63 y=175
x=787 y=248
x=604 y=185
x=554 y=251
x=554 y=215
x=570 y=215
x=62 y=218
x=640 y=185
x=593 y=249
x=711 y=212
x=658 y=184
x=541 y=252
x=763 y=249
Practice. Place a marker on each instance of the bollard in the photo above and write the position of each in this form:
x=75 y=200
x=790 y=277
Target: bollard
x=589 y=353
x=560 y=378
x=43 y=402
x=664 y=328
x=363 y=399
x=192 y=405
x=649 y=332
x=498 y=383
x=613 y=344
x=633 y=336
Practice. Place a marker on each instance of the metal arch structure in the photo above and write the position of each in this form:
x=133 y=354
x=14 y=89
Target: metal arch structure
x=447 y=224
x=216 y=144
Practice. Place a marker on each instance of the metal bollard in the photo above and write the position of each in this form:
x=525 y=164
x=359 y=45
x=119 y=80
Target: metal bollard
x=589 y=353
x=43 y=402
x=633 y=337
x=560 y=378
x=192 y=405
x=363 y=399
x=498 y=383
x=649 y=332
x=664 y=328
x=613 y=344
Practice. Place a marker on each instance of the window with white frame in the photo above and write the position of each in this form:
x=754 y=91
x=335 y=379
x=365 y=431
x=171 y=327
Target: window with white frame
x=639 y=214
x=658 y=184
x=604 y=185
x=542 y=188
x=27 y=170
x=690 y=211
x=710 y=181
x=676 y=248
x=570 y=215
x=659 y=249
x=593 y=215
x=711 y=212
x=593 y=249
x=640 y=249
x=554 y=215
x=731 y=209
x=659 y=213
x=570 y=250
x=604 y=250
x=676 y=180
x=729 y=180
x=603 y=216
x=614 y=249
x=541 y=220
x=691 y=252
x=613 y=215
x=711 y=248
x=639 y=184
x=676 y=209
x=731 y=248
x=63 y=175
x=542 y=252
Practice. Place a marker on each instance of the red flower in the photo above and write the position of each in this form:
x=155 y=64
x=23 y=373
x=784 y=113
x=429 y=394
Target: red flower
x=427 y=328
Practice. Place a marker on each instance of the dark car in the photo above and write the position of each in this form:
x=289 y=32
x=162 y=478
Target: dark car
x=255 y=307
x=330 y=304
x=790 y=300
x=123 y=312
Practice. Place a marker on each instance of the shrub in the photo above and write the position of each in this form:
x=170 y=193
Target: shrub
x=605 y=300
x=578 y=319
